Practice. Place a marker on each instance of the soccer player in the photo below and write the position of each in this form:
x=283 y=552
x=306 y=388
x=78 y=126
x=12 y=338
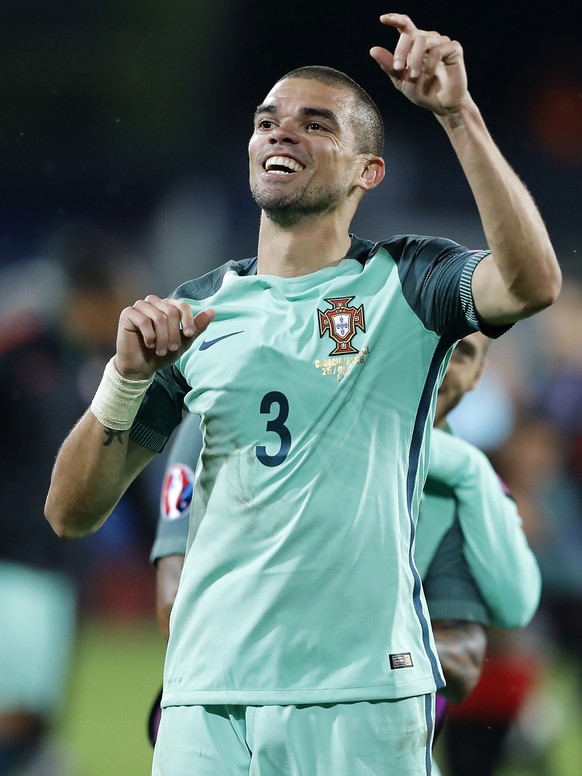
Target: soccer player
x=314 y=367
x=463 y=487
x=463 y=494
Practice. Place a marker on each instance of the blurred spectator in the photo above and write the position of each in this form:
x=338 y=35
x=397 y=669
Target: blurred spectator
x=542 y=459
x=559 y=394
x=58 y=329
x=536 y=459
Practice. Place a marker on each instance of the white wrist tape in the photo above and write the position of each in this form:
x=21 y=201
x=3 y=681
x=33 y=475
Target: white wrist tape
x=117 y=399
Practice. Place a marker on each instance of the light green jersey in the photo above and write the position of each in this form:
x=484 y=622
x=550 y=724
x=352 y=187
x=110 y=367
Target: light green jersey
x=315 y=394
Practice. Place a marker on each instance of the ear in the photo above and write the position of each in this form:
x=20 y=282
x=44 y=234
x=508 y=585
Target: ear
x=478 y=375
x=372 y=173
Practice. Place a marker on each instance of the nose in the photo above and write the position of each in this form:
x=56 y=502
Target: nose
x=282 y=134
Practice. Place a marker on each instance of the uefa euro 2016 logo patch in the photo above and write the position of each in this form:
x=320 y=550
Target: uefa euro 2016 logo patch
x=177 y=492
x=341 y=323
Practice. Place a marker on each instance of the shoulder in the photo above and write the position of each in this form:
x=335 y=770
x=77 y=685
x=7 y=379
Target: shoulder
x=447 y=442
x=452 y=459
x=402 y=247
x=208 y=284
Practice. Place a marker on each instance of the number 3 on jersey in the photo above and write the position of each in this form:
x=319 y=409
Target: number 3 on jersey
x=277 y=425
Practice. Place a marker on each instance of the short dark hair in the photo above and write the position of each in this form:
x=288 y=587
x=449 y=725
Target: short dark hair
x=369 y=125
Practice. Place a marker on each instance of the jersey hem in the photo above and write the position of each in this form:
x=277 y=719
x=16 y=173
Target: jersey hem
x=294 y=697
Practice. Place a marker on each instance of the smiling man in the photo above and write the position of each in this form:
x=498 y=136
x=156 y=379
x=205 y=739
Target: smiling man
x=291 y=181
x=300 y=640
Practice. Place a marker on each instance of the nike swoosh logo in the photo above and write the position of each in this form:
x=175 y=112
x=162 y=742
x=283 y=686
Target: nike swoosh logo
x=209 y=343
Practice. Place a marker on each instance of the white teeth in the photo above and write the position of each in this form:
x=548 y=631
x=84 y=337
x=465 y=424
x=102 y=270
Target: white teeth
x=283 y=164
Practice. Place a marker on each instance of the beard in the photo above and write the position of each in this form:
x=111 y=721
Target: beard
x=447 y=399
x=288 y=209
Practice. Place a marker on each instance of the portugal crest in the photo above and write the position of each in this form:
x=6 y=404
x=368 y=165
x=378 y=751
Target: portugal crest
x=341 y=322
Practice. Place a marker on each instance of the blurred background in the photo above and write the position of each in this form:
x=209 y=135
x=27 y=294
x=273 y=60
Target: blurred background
x=123 y=137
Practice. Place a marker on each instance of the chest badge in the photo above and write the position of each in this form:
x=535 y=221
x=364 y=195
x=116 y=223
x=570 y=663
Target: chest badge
x=341 y=322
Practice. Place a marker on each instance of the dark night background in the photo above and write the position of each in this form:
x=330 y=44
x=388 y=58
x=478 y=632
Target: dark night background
x=133 y=116
x=108 y=105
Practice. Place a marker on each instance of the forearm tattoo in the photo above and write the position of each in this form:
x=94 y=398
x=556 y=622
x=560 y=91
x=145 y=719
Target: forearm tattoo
x=110 y=435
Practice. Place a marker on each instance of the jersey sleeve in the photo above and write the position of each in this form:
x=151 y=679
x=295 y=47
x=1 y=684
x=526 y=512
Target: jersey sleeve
x=495 y=545
x=177 y=491
x=161 y=410
x=436 y=276
x=450 y=590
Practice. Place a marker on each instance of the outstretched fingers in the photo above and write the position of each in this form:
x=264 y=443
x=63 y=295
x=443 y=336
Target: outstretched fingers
x=406 y=28
x=414 y=49
x=426 y=66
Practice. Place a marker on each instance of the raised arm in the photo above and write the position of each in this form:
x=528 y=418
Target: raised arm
x=522 y=275
x=98 y=461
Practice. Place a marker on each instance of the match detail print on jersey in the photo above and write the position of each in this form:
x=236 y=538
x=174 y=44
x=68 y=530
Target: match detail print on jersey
x=177 y=491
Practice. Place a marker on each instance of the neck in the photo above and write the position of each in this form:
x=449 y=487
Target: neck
x=302 y=248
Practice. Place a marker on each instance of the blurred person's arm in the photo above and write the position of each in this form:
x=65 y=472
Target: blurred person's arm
x=495 y=545
x=461 y=648
x=169 y=548
x=168 y=572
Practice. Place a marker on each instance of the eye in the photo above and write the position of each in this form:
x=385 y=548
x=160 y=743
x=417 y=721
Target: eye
x=463 y=350
x=314 y=126
x=265 y=124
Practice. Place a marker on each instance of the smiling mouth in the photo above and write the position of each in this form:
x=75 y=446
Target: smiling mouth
x=282 y=165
